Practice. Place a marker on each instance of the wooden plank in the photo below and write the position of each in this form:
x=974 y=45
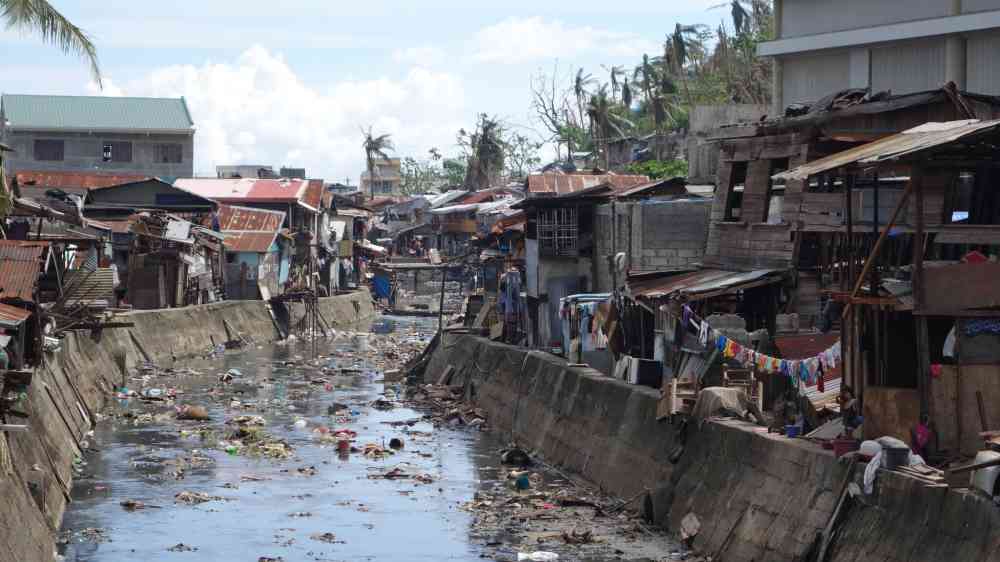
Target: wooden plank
x=962 y=286
x=446 y=375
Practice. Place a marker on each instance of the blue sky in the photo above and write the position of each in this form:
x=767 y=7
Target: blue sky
x=292 y=83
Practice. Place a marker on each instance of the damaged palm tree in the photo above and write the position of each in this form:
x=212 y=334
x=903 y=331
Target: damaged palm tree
x=486 y=158
x=605 y=124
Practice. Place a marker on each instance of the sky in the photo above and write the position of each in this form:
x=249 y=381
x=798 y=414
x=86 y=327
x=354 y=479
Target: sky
x=293 y=83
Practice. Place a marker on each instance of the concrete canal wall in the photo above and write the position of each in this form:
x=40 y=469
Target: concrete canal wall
x=36 y=466
x=758 y=497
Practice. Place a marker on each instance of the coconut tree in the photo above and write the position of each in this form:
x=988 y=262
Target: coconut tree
x=376 y=148
x=41 y=18
x=604 y=122
x=580 y=84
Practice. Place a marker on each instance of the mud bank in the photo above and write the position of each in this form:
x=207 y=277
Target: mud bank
x=77 y=381
x=758 y=497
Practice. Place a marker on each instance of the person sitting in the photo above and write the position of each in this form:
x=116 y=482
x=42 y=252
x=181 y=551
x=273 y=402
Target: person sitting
x=849 y=409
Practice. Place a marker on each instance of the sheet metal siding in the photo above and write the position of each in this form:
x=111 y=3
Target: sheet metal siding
x=811 y=17
x=982 y=67
x=12 y=315
x=20 y=265
x=972 y=6
x=907 y=67
x=807 y=78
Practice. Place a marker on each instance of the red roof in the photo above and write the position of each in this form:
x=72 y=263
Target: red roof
x=74 y=181
x=20 y=266
x=12 y=314
x=313 y=195
x=804 y=346
x=555 y=183
x=249 y=230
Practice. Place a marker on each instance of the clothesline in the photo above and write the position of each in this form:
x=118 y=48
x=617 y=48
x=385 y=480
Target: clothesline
x=808 y=370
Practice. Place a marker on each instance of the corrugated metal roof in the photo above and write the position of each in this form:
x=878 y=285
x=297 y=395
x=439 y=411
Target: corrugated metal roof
x=12 y=316
x=652 y=186
x=20 y=266
x=701 y=284
x=253 y=189
x=74 y=182
x=249 y=230
x=909 y=142
x=233 y=217
x=83 y=286
x=96 y=113
x=553 y=183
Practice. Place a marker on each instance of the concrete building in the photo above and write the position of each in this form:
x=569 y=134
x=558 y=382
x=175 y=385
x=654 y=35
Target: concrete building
x=237 y=171
x=388 y=178
x=822 y=47
x=153 y=137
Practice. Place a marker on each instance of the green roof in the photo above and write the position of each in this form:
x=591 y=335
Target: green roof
x=95 y=113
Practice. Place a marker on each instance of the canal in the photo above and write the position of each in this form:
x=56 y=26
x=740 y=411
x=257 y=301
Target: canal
x=263 y=478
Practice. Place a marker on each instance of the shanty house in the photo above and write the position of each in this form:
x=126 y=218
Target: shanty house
x=560 y=243
x=917 y=290
x=152 y=137
x=173 y=263
x=300 y=200
x=256 y=254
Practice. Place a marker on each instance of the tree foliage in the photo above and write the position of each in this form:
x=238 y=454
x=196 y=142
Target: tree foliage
x=698 y=65
x=41 y=18
x=659 y=169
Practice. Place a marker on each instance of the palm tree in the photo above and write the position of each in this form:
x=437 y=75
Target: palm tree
x=626 y=94
x=645 y=75
x=681 y=46
x=376 y=148
x=604 y=122
x=40 y=17
x=580 y=84
x=615 y=72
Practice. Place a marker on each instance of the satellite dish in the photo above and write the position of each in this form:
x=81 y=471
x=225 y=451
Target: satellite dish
x=620 y=262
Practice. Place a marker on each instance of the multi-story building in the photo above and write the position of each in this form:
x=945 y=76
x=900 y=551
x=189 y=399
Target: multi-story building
x=237 y=171
x=905 y=46
x=148 y=136
x=388 y=178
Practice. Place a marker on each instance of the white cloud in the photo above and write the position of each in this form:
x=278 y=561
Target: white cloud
x=257 y=110
x=519 y=40
x=423 y=56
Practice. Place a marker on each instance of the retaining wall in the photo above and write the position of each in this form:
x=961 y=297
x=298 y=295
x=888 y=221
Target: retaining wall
x=76 y=382
x=758 y=497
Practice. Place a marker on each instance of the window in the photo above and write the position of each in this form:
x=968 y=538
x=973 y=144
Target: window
x=775 y=192
x=49 y=150
x=117 y=151
x=734 y=196
x=558 y=232
x=171 y=153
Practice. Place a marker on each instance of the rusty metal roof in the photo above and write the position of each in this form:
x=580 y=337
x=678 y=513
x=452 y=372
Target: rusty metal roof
x=20 y=265
x=701 y=284
x=249 y=230
x=907 y=143
x=74 y=181
x=12 y=316
x=553 y=183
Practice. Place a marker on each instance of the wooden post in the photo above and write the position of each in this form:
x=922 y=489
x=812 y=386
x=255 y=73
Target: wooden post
x=923 y=351
x=847 y=321
x=444 y=271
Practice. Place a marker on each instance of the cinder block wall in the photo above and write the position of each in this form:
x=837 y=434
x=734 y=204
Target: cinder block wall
x=656 y=236
x=759 y=497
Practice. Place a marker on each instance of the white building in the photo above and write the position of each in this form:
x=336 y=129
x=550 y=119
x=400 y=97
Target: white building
x=905 y=46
